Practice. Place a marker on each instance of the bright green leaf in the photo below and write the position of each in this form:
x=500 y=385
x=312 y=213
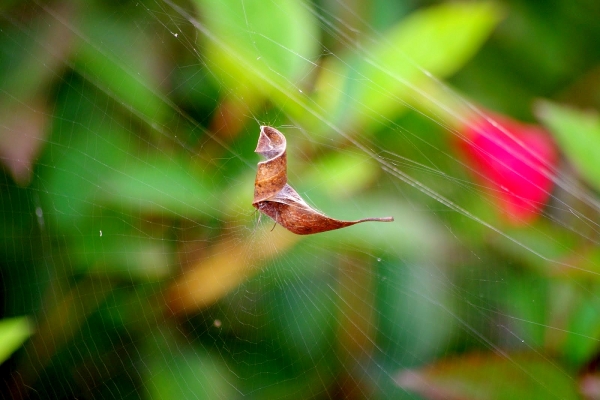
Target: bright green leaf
x=578 y=135
x=438 y=40
x=259 y=46
x=13 y=333
x=341 y=174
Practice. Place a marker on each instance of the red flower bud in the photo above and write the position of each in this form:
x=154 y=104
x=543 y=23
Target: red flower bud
x=516 y=161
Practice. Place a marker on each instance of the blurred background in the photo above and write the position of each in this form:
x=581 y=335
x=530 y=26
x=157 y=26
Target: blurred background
x=133 y=264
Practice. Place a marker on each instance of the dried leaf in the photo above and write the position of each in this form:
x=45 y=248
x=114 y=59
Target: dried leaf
x=275 y=198
x=225 y=267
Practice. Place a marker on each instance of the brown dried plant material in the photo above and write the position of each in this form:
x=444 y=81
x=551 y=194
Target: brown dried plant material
x=275 y=198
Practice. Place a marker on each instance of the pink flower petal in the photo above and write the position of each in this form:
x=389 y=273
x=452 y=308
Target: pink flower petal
x=515 y=160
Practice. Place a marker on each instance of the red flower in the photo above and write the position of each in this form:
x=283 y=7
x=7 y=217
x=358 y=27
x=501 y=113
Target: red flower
x=515 y=160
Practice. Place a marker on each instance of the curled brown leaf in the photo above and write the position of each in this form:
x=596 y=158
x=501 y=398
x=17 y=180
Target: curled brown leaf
x=275 y=198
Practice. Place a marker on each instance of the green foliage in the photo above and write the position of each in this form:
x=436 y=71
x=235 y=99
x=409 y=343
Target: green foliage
x=438 y=41
x=256 y=49
x=127 y=235
x=13 y=333
x=126 y=66
x=171 y=373
x=578 y=134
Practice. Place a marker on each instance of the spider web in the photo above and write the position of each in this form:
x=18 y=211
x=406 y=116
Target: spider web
x=131 y=245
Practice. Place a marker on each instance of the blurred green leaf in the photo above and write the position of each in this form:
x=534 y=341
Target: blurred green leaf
x=176 y=370
x=491 y=376
x=583 y=330
x=84 y=146
x=13 y=333
x=95 y=191
x=411 y=292
x=578 y=135
x=256 y=47
x=124 y=61
x=114 y=245
x=366 y=89
x=164 y=185
x=341 y=174
x=527 y=299
x=541 y=248
x=576 y=262
x=296 y=300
